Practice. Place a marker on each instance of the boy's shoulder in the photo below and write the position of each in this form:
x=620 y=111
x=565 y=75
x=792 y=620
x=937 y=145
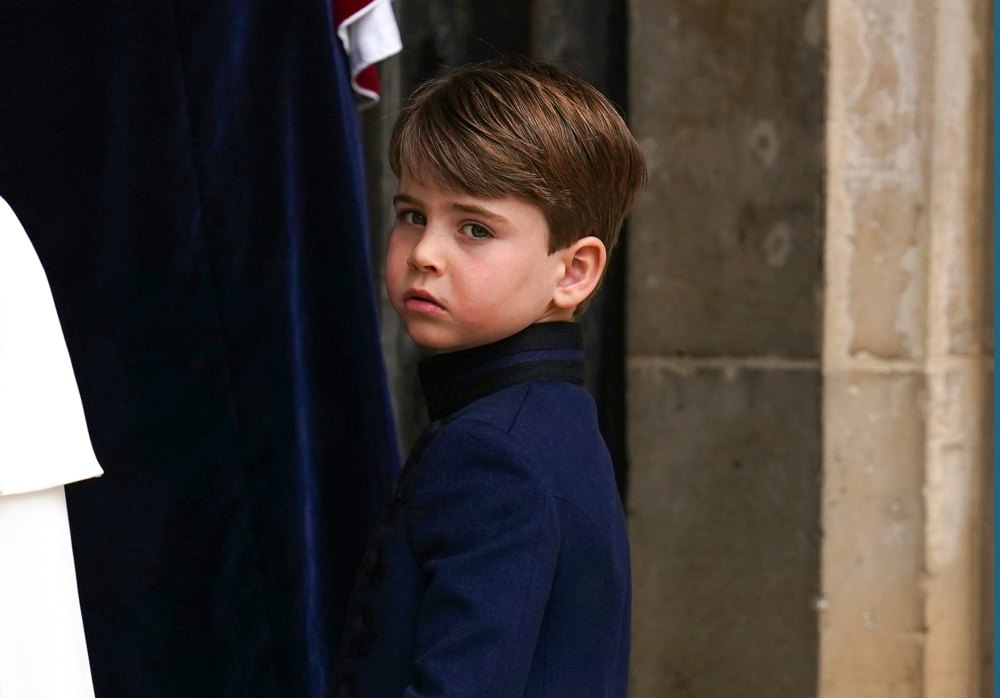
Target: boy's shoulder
x=530 y=410
x=530 y=455
x=535 y=434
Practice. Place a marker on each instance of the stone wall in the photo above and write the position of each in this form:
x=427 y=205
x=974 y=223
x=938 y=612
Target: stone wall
x=907 y=352
x=809 y=349
x=723 y=347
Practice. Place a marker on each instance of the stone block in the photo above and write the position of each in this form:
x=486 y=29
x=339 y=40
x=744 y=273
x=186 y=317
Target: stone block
x=887 y=274
x=872 y=621
x=724 y=246
x=724 y=521
x=878 y=133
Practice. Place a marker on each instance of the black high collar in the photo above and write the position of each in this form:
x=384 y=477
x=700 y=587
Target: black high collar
x=547 y=351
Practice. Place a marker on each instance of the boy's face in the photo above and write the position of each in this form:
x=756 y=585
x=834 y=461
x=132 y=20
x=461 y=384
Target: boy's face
x=462 y=271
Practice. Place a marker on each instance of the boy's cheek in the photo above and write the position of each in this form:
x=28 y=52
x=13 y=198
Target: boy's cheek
x=395 y=266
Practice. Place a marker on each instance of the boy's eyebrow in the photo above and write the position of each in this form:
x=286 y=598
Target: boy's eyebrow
x=457 y=206
x=404 y=199
x=478 y=211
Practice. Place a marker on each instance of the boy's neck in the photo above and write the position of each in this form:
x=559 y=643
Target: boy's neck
x=549 y=351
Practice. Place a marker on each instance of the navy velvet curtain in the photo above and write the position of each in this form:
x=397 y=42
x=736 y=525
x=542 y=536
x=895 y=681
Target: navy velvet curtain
x=190 y=174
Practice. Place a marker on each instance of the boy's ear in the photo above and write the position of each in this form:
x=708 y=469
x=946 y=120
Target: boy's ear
x=583 y=263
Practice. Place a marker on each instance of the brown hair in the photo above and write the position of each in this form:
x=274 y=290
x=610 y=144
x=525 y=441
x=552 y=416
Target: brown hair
x=524 y=129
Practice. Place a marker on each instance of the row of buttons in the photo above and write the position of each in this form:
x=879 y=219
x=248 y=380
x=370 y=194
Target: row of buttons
x=361 y=630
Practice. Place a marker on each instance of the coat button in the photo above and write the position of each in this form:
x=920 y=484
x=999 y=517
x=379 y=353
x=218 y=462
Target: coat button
x=373 y=567
x=399 y=494
x=397 y=498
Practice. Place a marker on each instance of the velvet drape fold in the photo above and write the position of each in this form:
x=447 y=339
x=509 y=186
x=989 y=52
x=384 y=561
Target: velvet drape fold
x=190 y=174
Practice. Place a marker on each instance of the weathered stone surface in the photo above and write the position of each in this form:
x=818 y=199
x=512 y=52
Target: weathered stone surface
x=986 y=550
x=872 y=620
x=905 y=299
x=986 y=322
x=961 y=169
x=953 y=495
x=888 y=273
x=878 y=168
x=723 y=510
x=724 y=248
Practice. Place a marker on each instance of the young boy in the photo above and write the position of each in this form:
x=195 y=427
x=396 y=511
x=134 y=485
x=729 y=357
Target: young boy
x=500 y=566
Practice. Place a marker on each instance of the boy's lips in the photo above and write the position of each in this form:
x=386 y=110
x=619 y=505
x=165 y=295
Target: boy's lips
x=421 y=301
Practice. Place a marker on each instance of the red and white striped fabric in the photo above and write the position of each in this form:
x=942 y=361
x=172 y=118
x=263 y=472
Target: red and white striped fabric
x=369 y=32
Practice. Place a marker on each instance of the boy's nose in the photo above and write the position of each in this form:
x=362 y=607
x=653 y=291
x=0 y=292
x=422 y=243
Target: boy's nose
x=426 y=255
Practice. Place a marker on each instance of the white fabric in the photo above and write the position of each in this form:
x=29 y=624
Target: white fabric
x=370 y=35
x=43 y=434
x=43 y=652
x=44 y=444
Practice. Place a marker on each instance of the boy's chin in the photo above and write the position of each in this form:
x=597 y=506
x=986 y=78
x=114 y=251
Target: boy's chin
x=440 y=342
x=442 y=347
x=432 y=341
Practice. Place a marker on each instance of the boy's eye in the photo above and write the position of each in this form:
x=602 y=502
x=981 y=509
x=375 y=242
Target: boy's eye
x=476 y=231
x=413 y=218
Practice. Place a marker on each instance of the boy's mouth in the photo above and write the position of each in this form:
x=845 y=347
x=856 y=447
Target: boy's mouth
x=421 y=301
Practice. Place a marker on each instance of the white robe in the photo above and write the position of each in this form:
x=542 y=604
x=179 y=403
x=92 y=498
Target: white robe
x=44 y=444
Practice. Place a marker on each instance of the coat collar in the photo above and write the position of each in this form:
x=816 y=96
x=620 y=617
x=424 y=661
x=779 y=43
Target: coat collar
x=548 y=351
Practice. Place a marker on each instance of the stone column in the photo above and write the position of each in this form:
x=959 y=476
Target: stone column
x=723 y=340
x=905 y=354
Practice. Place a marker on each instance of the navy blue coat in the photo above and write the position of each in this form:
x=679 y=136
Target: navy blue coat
x=500 y=563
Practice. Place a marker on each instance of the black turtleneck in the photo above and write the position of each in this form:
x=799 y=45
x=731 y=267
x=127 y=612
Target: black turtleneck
x=547 y=351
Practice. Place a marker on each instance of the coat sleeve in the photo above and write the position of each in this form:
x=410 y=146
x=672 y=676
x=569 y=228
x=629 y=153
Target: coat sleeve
x=485 y=535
